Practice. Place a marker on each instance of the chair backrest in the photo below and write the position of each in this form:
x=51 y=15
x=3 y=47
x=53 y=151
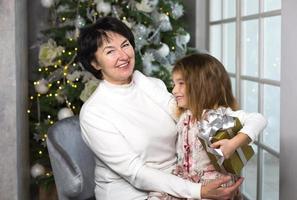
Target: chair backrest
x=72 y=161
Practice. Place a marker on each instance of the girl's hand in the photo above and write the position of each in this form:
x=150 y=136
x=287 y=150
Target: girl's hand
x=227 y=147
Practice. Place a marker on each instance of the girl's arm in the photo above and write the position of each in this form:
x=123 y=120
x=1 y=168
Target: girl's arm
x=228 y=147
x=253 y=125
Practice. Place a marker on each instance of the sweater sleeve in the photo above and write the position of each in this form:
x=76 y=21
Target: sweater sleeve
x=113 y=150
x=253 y=123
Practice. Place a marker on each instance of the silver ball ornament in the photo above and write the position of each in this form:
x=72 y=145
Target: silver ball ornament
x=64 y=113
x=41 y=86
x=184 y=39
x=164 y=50
x=47 y=3
x=103 y=7
x=37 y=170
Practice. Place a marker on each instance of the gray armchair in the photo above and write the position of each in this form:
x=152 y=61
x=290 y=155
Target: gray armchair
x=72 y=161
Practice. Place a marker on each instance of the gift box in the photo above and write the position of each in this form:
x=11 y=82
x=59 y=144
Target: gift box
x=237 y=161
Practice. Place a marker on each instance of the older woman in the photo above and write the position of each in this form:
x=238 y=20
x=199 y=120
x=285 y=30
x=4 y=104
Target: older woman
x=127 y=122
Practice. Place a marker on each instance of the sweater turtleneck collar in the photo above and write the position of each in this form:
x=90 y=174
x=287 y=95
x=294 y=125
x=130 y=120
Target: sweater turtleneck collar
x=123 y=89
x=109 y=84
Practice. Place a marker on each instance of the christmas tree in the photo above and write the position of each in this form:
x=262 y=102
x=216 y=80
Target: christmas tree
x=63 y=83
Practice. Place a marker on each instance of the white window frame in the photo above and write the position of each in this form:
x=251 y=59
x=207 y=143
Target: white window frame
x=238 y=19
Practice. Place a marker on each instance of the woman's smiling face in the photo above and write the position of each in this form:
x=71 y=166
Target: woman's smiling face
x=115 y=58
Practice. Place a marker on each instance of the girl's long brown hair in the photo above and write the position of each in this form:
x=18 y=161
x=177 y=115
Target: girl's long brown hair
x=207 y=83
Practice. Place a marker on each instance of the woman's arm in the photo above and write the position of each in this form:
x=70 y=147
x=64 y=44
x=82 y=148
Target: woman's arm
x=114 y=151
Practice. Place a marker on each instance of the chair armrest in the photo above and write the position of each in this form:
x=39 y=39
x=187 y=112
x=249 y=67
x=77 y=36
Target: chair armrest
x=67 y=174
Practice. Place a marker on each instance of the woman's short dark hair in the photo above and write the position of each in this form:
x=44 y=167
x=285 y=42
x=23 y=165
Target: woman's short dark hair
x=91 y=37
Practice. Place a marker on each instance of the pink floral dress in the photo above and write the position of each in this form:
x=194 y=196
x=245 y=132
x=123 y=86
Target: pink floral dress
x=193 y=162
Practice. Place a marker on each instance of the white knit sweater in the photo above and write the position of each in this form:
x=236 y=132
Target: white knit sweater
x=131 y=132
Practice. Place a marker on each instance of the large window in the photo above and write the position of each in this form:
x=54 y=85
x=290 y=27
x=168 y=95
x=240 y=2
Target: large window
x=245 y=36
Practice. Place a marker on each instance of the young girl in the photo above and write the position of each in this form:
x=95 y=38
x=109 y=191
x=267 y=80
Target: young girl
x=202 y=89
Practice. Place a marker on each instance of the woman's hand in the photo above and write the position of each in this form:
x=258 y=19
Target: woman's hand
x=214 y=190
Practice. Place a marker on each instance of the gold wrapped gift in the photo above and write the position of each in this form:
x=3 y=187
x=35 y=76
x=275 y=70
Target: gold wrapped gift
x=234 y=164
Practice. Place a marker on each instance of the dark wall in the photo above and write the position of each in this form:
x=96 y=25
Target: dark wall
x=37 y=21
x=196 y=20
x=190 y=20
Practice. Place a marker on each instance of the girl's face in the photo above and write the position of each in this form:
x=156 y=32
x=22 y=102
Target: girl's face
x=116 y=59
x=179 y=90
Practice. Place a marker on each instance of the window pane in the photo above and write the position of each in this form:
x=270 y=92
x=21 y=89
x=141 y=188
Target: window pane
x=272 y=47
x=250 y=7
x=249 y=93
x=229 y=8
x=229 y=47
x=271 y=135
x=249 y=100
x=250 y=48
x=249 y=172
x=233 y=83
x=215 y=10
x=272 y=5
x=270 y=177
x=215 y=41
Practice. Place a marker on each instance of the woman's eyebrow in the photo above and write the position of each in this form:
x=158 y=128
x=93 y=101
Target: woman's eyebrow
x=124 y=42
